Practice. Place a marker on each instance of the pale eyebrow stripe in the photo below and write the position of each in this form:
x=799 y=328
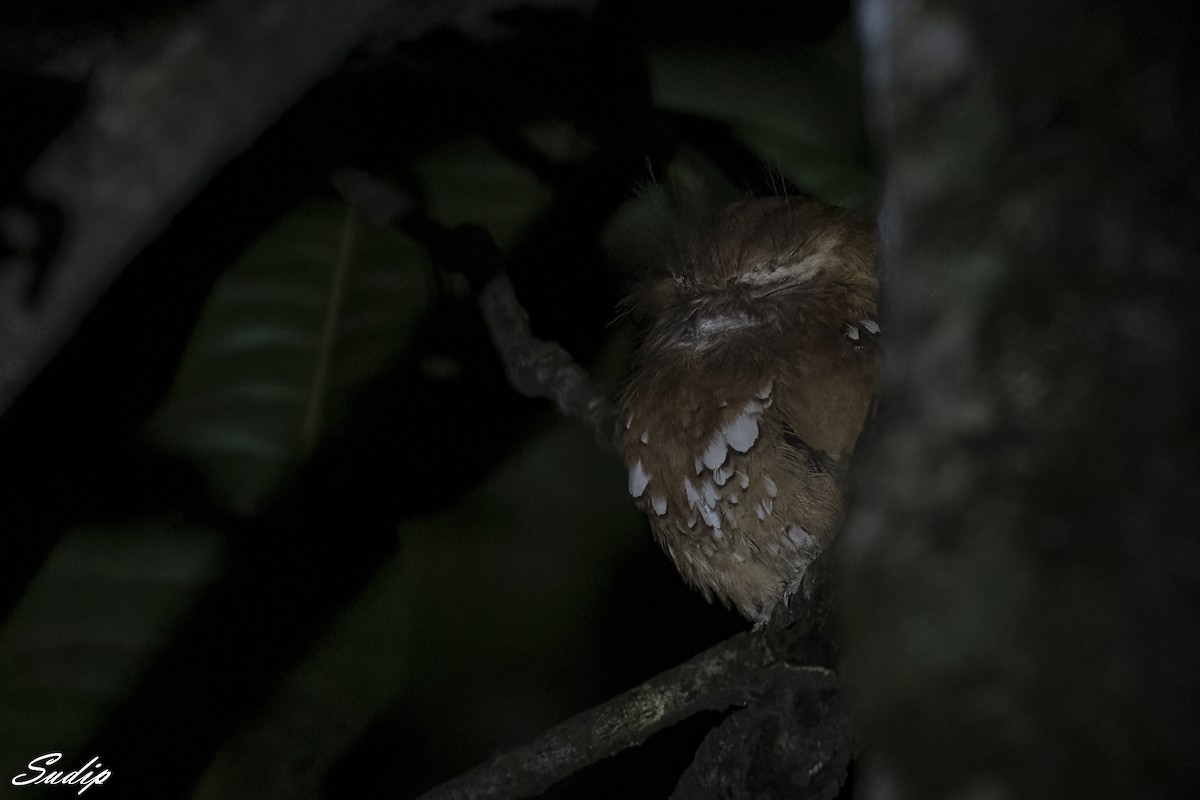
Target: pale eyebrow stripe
x=803 y=269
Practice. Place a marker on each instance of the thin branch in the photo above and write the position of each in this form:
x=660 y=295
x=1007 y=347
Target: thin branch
x=733 y=673
x=538 y=368
x=535 y=367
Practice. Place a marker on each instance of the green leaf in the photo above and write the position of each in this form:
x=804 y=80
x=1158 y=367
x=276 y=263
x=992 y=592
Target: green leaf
x=315 y=309
x=101 y=609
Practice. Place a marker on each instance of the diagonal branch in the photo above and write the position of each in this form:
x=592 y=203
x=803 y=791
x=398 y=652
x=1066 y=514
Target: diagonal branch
x=538 y=368
x=733 y=673
x=535 y=367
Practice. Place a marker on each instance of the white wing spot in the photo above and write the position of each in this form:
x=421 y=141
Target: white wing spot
x=852 y=332
x=765 y=391
x=660 y=505
x=714 y=454
x=745 y=480
x=638 y=478
x=760 y=511
x=742 y=432
x=871 y=325
x=799 y=537
x=645 y=437
x=772 y=489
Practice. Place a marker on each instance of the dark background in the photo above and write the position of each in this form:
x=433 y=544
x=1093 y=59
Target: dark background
x=274 y=523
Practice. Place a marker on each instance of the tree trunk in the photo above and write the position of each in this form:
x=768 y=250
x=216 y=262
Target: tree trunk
x=1022 y=562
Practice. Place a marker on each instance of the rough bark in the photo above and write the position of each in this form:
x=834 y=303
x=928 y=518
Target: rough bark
x=742 y=671
x=1021 y=565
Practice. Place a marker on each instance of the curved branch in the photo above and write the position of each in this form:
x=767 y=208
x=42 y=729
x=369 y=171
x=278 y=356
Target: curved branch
x=535 y=367
x=538 y=368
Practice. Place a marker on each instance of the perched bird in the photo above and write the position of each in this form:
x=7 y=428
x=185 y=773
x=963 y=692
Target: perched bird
x=749 y=392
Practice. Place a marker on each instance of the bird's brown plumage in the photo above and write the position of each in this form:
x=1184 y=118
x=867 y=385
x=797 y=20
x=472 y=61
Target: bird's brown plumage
x=749 y=393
